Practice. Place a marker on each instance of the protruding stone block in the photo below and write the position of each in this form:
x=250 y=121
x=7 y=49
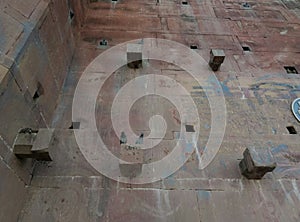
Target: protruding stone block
x=23 y=143
x=217 y=57
x=33 y=144
x=40 y=148
x=131 y=163
x=75 y=125
x=257 y=162
x=134 y=55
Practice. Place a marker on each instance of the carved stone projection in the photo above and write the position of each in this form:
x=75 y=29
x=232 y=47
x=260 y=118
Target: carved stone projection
x=257 y=162
x=217 y=57
x=33 y=144
x=134 y=56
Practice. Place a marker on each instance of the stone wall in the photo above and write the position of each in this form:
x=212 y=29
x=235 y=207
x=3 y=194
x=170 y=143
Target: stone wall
x=36 y=47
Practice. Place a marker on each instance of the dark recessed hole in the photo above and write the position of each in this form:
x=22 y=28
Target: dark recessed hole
x=246 y=48
x=36 y=95
x=71 y=14
x=291 y=130
x=39 y=91
x=189 y=128
x=194 y=47
x=91 y=1
x=75 y=125
x=114 y=0
x=184 y=3
x=28 y=130
x=290 y=69
x=135 y=65
x=103 y=42
x=246 y=5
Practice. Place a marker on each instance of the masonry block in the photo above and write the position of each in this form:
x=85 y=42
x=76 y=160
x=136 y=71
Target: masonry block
x=23 y=144
x=33 y=144
x=257 y=162
x=134 y=56
x=131 y=163
x=75 y=125
x=217 y=57
x=40 y=147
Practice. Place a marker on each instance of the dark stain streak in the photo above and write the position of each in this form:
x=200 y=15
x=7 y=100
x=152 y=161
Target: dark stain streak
x=104 y=195
x=272 y=86
x=292 y=157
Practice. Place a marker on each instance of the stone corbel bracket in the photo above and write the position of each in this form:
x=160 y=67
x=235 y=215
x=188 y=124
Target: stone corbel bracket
x=33 y=144
x=257 y=162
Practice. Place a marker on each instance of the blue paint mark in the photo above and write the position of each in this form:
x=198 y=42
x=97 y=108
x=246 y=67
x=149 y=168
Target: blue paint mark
x=280 y=148
x=258 y=97
x=222 y=162
x=189 y=148
x=269 y=76
x=213 y=85
x=294 y=93
x=225 y=88
x=183 y=168
x=271 y=84
x=250 y=103
x=284 y=96
x=204 y=195
x=176 y=135
x=170 y=181
x=207 y=126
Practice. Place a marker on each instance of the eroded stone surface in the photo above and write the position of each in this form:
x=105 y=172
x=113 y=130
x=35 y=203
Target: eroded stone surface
x=27 y=65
